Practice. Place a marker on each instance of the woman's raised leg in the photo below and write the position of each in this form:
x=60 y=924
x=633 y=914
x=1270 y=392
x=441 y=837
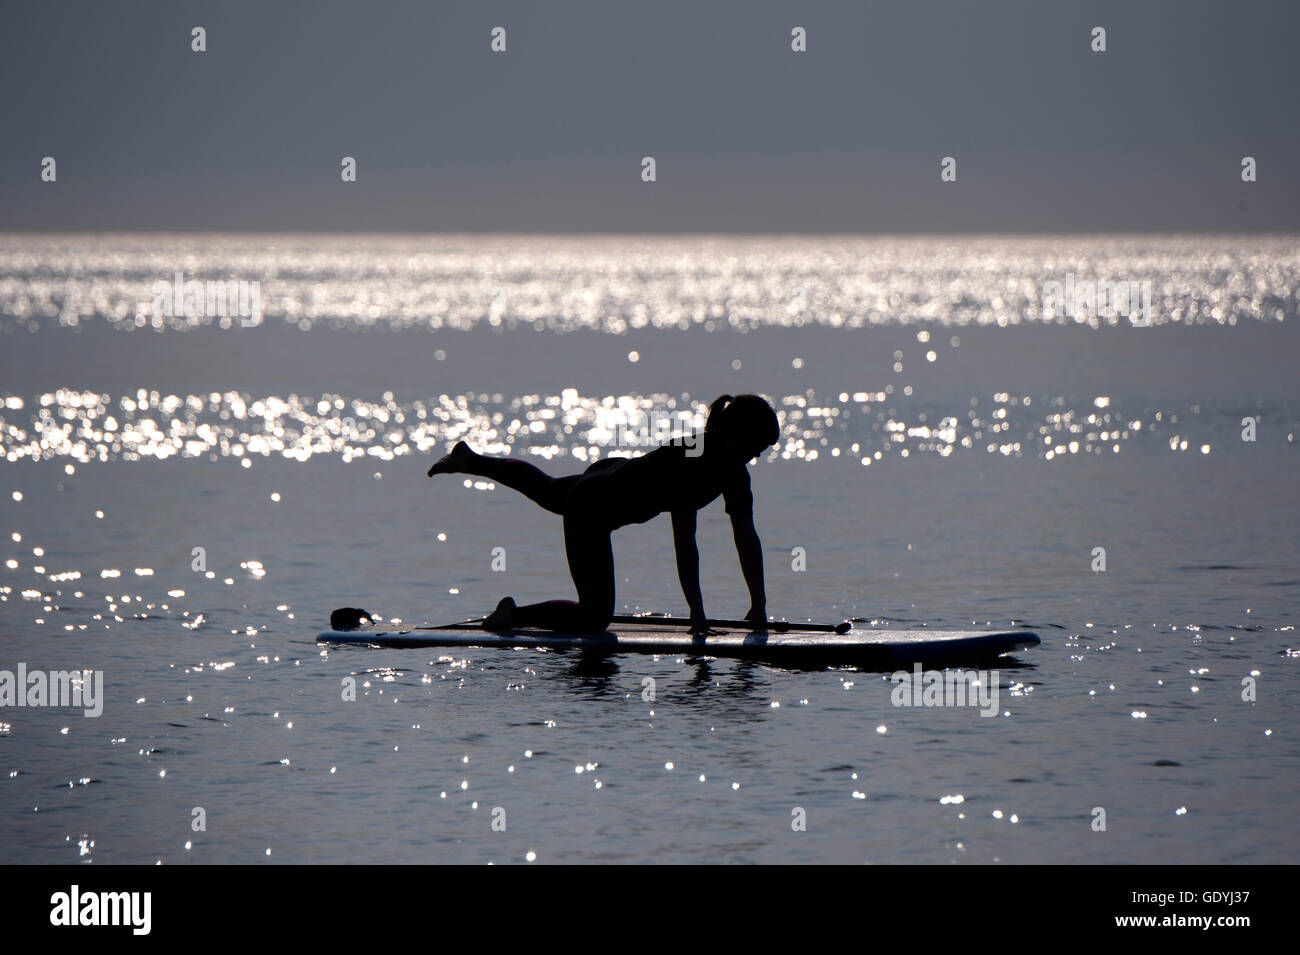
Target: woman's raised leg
x=534 y=483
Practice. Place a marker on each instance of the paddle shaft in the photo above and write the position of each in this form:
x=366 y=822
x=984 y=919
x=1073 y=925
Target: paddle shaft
x=777 y=626
x=349 y=618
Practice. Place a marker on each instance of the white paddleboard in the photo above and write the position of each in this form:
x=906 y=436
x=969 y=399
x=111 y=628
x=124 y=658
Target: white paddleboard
x=873 y=649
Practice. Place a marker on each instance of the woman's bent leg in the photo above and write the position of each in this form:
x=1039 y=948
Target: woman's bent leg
x=591 y=563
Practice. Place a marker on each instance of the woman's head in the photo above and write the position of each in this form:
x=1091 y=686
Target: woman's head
x=744 y=426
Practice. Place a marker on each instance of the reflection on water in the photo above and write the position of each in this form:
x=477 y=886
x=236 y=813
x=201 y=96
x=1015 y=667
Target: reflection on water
x=864 y=426
x=947 y=459
x=618 y=284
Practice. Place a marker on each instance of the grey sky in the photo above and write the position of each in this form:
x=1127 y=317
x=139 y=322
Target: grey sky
x=747 y=135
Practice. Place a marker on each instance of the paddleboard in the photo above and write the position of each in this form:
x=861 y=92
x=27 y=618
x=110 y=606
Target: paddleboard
x=868 y=649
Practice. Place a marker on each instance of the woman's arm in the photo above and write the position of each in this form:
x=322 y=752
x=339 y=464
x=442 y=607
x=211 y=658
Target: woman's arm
x=750 y=550
x=688 y=564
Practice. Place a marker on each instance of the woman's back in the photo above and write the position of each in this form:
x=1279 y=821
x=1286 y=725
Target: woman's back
x=620 y=491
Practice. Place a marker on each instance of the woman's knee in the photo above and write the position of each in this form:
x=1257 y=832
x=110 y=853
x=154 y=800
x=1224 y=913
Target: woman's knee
x=589 y=621
x=595 y=618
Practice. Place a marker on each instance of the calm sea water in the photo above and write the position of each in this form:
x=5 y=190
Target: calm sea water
x=951 y=456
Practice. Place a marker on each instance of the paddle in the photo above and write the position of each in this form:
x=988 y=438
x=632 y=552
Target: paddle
x=777 y=626
x=349 y=618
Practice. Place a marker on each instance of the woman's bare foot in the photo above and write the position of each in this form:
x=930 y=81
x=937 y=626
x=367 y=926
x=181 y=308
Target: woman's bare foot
x=451 y=462
x=502 y=618
x=349 y=618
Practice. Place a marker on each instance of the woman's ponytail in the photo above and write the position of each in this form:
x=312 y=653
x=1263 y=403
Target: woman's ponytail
x=715 y=412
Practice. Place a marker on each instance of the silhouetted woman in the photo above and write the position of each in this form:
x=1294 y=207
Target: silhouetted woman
x=614 y=492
